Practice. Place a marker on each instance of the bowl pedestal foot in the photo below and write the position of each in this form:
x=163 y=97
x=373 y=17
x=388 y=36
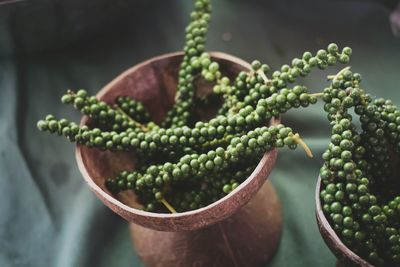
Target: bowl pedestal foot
x=250 y=237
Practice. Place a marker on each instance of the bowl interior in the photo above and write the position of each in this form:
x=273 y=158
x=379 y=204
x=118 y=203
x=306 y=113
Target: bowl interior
x=154 y=84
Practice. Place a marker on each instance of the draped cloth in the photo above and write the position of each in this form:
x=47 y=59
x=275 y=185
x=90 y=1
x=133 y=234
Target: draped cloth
x=48 y=216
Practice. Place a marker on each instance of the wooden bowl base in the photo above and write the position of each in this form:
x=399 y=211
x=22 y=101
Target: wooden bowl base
x=250 y=237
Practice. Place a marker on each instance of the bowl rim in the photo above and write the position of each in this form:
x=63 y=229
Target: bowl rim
x=330 y=237
x=265 y=165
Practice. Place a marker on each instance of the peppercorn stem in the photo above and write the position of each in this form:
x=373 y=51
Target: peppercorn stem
x=168 y=206
x=300 y=141
x=263 y=76
x=141 y=126
x=334 y=77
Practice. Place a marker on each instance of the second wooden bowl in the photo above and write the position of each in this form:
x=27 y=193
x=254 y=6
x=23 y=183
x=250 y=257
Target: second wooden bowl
x=240 y=229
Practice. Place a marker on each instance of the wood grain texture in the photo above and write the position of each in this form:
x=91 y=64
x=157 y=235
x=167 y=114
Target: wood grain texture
x=154 y=83
x=250 y=238
x=345 y=256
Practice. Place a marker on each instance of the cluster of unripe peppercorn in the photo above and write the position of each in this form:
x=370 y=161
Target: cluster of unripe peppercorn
x=186 y=164
x=190 y=166
x=360 y=186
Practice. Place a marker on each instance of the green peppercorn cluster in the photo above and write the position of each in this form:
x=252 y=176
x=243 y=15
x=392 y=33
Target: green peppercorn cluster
x=195 y=38
x=184 y=163
x=125 y=126
x=201 y=171
x=360 y=187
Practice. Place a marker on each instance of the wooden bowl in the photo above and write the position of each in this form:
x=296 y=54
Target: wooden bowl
x=232 y=231
x=345 y=256
x=153 y=82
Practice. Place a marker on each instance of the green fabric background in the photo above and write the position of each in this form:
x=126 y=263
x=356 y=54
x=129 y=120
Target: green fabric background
x=48 y=216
